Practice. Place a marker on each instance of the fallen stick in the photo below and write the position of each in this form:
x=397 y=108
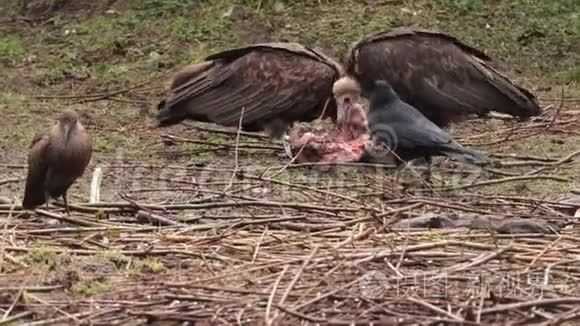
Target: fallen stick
x=63 y=218
x=224 y=204
x=12 y=180
x=158 y=220
x=96 y=185
x=563 y=160
x=503 y=180
x=231 y=131
x=222 y=145
x=529 y=304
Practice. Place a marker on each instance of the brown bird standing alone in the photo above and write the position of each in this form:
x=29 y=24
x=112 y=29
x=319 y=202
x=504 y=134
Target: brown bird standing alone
x=56 y=159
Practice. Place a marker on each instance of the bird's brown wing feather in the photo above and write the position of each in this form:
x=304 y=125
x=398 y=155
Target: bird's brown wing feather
x=269 y=82
x=409 y=31
x=34 y=192
x=442 y=77
x=67 y=163
x=289 y=47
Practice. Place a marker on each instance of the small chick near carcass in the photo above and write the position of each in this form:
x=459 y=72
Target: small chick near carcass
x=346 y=142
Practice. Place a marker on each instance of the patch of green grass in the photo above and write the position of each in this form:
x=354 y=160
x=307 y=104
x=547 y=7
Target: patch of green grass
x=43 y=256
x=106 y=33
x=107 y=71
x=101 y=144
x=461 y=5
x=115 y=257
x=11 y=48
x=92 y=287
x=60 y=69
x=12 y=100
x=572 y=74
x=212 y=27
x=181 y=29
x=152 y=265
x=434 y=236
x=159 y=8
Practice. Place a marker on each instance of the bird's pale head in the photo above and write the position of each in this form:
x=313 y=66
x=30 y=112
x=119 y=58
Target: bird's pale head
x=68 y=121
x=69 y=117
x=345 y=85
x=346 y=92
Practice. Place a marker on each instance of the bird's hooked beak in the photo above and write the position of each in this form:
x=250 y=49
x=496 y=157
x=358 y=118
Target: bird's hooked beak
x=66 y=128
x=344 y=105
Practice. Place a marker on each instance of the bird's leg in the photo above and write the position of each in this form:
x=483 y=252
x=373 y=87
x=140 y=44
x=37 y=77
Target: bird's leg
x=427 y=175
x=46 y=199
x=287 y=146
x=65 y=203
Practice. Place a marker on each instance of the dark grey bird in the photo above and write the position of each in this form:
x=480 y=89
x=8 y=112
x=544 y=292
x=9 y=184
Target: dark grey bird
x=405 y=131
x=444 y=78
x=56 y=160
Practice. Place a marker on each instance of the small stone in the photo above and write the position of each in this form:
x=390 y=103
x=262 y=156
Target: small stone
x=279 y=6
x=235 y=13
x=526 y=226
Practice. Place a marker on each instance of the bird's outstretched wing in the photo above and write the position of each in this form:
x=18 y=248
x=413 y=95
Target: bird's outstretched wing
x=34 y=191
x=271 y=81
x=442 y=77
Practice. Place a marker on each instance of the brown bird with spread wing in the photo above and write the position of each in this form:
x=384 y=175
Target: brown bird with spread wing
x=442 y=77
x=56 y=160
x=273 y=84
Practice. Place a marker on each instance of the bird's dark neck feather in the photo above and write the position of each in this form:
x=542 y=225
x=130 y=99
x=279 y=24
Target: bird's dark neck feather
x=382 y=97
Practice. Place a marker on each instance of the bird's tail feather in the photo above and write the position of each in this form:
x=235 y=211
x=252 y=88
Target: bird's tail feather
x=33 y=198
x=524 y=103
x=34 y=189
x=468 y=156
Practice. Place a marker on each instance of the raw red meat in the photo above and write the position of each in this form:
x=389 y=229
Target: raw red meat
x=326 y=147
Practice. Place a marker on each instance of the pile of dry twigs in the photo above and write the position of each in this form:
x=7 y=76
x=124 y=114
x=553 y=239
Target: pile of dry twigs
x=239 y=242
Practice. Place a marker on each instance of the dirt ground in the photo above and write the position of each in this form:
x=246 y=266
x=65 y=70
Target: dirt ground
x=191 y=228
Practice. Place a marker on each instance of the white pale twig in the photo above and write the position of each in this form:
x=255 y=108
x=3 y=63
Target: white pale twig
x=96 y=185
x=236 y=160
x=287 y=146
